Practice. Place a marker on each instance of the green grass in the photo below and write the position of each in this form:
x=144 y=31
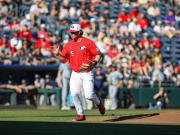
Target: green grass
x=58 y=115
x=52 y=122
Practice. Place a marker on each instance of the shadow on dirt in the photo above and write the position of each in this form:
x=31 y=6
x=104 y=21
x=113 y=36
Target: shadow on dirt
x=139 y=116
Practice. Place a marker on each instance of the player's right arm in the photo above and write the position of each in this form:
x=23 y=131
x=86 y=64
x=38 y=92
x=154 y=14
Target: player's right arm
x=63 y=56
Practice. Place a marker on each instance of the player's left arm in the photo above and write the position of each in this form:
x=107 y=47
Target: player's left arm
x=94 y=50
x=97 y=60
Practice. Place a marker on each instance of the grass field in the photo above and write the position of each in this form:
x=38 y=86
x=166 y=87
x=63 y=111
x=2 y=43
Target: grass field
x=52 y=122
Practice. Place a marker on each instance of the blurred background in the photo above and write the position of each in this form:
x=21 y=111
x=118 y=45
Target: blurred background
x=139 y=39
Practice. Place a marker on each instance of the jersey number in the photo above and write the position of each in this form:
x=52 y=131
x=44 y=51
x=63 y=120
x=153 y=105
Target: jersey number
x=72 y=53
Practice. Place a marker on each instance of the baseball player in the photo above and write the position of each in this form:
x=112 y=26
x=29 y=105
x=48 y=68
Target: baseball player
x=83 y=55
x=115 y=81
x=63 y=77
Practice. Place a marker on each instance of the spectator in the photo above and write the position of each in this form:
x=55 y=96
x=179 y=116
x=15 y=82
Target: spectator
x=73 y=11
x=4 y=43
x=127 y=46
x=145 y=42
x=15 y=25
x=136 y=67
x=177 y=18
x=145 y=65
x=158 y=28
x=123 y=29
x=25 y=34
x=142 y=21
x=44 y=45
x=102 y=24
x=26 y=21
x=178 y=80
x=156 y=42
x=134 y=13
x=56 y=3
x=123 y=16
x=157 y=77
x=100 y=44
x=93 y=13
x=169 y=30
x=157 y=59
x=168 y=69
x=113 y=51
x=134 y=28
x=124 y=59
x=4 y=23
x=85 y=24
x=170 y=17
x=134 y=46
x=93 y=29
x=15 y=43
x=152 y=10
x=51 y=21
x=63 y=10
x=43 y=6
x=43 y=31
x=113 y=30
x=106 y=14
x=142 y=2
x=3 y=8
x=35 y=10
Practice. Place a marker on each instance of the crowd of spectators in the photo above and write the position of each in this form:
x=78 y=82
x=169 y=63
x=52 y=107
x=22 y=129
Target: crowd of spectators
x=135 y=35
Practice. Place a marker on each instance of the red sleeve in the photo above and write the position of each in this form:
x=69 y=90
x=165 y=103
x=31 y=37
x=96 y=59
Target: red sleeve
x=65 y=52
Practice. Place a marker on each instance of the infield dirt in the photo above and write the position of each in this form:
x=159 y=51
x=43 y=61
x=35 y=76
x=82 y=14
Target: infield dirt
x=158 y=117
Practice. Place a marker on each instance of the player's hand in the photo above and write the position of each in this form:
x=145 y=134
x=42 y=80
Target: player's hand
x=86 y=66
x=54 y=50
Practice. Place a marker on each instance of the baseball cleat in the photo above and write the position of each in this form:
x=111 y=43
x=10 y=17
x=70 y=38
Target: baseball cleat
x=80 y=118
x=101 y=108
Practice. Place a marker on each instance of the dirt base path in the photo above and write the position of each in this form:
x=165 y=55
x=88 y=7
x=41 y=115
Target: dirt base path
x=158 y=117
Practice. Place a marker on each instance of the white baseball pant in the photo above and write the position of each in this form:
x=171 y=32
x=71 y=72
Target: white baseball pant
x=83 y=80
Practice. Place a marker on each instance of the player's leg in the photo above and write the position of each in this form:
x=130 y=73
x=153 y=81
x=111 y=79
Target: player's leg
x=53 y=99
x=88 y=85
x=65 y=90
x=41 y=99
x=112 y=95
x=75 y=87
